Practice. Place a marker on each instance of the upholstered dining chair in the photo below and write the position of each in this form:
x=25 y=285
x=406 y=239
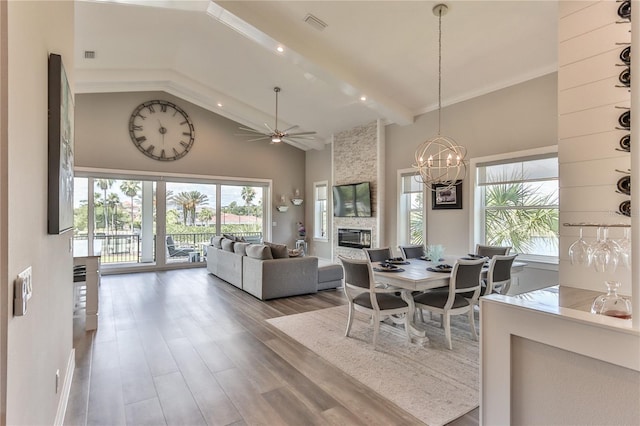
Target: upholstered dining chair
x=364 y=296
x=412 y=251
x=378 y=254
x=499 y=275
x=464 y=281
x=490 y=251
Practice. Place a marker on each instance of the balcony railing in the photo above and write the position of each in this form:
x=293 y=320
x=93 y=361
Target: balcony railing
x=126 y=248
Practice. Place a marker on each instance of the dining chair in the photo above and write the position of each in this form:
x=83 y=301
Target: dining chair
x=378 y=254
x=465 y=279
x=412 y=251
x=490 y=251
x=365 y=296
x=499 y=275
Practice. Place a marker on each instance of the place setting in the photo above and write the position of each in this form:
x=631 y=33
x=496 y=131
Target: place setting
x=386 y=266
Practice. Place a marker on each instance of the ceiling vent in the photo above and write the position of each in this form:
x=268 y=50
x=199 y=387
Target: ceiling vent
x=315 y=22
x=89 y=54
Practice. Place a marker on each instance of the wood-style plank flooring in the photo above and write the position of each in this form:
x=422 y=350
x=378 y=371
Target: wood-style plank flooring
x=186 y=348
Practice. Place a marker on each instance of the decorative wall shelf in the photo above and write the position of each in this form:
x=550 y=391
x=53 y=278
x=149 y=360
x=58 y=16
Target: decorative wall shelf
x=297 y=201
x=282 y=209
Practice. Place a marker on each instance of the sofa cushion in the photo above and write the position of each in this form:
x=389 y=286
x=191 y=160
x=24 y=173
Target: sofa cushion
x=279 y=251
x=227 y=245
x=240 y=248
x=259 y=251
x=233 y=238
x=217 y=241
x=295 y=252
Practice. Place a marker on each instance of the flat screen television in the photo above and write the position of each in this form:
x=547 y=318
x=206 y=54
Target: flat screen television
x=352 y=200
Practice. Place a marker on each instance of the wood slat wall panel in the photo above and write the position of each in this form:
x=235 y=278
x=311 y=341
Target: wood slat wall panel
x=589 y=147
x=599 y=67
x=592 y=43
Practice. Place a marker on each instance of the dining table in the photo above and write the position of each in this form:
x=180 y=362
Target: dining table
x=420 y=275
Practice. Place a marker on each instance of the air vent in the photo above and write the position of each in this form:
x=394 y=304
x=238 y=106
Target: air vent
x=315 y=22
x=89 y=54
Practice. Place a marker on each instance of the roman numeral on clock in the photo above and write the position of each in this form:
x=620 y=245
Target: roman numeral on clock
x=183 y=143
x=150 y=149
x=137 y=127
x=162 y=155
x=141 y=139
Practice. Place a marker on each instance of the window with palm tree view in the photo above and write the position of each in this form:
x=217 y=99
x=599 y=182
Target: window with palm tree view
x=520 y=205
x=411 y=225
x=123 y=229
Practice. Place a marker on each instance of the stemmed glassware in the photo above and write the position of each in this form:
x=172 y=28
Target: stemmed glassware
x=579 y=251
x=605 y=252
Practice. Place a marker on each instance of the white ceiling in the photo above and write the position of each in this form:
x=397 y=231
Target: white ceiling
x=224 y=52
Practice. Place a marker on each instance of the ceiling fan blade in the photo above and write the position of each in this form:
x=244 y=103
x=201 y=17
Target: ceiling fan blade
x=259 y=139
x=290 y=128
x=269 y=127
x=301 y=133
x=247 y=129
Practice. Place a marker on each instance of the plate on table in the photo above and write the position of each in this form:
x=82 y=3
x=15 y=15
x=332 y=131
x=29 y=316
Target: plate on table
x=441 y=268
x=385 y=267
x=429 y=260
x=396 y=261
x=473 y=256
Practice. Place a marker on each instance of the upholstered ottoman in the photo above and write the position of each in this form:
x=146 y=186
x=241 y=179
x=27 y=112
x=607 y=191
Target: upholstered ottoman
x=329 y=275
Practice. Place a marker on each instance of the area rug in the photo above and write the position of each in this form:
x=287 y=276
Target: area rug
x=431 y=382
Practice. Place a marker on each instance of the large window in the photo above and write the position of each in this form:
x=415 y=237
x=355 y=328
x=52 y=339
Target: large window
x=411 y=223
x=157 y=221
x=320 y=215
x=518 y=204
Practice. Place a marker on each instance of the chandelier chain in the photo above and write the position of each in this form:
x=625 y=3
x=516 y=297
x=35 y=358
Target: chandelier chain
x=439 y=69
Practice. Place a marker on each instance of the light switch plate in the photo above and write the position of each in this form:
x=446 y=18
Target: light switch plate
x=26 y=276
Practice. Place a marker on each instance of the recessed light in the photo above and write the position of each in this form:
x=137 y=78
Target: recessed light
x=219 y=105
x=280 y=49
x=363 y=98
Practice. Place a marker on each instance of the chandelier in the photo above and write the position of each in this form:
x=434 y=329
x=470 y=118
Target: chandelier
x=440 y=161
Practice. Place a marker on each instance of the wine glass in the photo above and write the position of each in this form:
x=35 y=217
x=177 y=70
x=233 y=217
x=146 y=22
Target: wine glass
x=625 y=248
x=579 y=251
x=604 y=253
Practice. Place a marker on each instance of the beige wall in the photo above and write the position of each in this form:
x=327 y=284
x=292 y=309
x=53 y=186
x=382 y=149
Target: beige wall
x=40 y=342
x=102 y=141
x=512 y=119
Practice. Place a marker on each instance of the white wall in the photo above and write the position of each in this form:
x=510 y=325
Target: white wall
x=103 y=142
x=40 y=342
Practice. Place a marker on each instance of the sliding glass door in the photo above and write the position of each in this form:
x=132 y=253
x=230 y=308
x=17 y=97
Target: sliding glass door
x=119 y=219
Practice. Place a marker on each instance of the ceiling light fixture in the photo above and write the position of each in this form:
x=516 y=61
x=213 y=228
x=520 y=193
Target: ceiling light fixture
x=363 y=98
x=280 y=49
x=440 y=161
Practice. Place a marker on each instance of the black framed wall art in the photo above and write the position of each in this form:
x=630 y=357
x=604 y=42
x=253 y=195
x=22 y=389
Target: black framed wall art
x=61 y=149
x=446 y=198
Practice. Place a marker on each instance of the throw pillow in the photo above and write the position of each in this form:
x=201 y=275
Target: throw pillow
x=240 y=248
x=227 y=245
x=217 y=241
x=279 y=251
x=259 y=251
x=295 y=252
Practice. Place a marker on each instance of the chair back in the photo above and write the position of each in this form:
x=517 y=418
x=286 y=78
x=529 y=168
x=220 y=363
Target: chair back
x=499 y=272
x=170 y=242
x=465 y=276
x=357 y=272
x=490 y=251
x=378 y=254
x=412 y=251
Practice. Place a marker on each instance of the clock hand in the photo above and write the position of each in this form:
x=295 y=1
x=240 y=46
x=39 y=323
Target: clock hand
x=162 y=130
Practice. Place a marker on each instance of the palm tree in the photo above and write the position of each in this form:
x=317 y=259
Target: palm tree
x=206 y=214
x=130 y=189
x=113 y=201
x=105 y=184
x=189 y=201
x=509 y=222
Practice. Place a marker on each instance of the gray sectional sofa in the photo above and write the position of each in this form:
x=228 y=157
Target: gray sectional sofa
x=267 y=272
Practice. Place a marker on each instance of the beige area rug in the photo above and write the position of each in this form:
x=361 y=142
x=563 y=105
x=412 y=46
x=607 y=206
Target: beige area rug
x=433 y=383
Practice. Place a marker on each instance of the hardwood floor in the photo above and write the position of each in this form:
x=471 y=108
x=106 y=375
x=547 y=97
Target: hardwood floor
x=185 y=348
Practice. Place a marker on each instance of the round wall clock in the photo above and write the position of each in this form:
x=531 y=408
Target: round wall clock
x=161 y=130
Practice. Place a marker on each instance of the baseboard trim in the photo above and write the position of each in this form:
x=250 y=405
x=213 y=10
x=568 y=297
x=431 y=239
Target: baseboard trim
x=66 y=389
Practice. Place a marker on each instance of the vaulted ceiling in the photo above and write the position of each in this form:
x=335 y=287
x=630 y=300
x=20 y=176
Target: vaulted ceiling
x=222 y=56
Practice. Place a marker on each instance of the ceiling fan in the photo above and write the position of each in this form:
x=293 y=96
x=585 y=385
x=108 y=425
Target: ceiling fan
x=275 y=135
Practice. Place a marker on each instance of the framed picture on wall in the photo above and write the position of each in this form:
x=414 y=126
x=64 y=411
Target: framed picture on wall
x=446 y=198
x=60 y=143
